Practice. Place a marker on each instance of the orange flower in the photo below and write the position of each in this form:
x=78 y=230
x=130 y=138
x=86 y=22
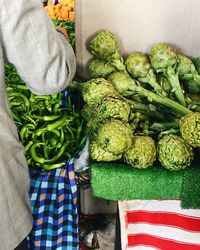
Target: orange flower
x=72 y=16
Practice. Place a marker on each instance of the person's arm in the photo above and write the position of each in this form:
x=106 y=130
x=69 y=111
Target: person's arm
x=42 y=56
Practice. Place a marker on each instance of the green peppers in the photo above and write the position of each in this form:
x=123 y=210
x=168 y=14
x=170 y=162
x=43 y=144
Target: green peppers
x=50 y=131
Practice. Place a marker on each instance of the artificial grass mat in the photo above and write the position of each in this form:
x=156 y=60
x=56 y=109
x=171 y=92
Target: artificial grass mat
x=117 y=181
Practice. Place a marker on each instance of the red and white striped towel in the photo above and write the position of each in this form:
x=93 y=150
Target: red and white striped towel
x=158 y=224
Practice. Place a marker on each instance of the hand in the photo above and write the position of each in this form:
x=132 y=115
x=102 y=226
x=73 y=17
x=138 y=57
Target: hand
x=63 y=30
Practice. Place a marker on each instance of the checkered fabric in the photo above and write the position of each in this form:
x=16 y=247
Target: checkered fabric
x=54 y=207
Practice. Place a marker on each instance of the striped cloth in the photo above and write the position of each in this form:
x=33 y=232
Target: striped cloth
x=158 y=224
x=54 y=207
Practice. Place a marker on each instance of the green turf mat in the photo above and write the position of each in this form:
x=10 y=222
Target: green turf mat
x=114 y=181
x=190 y=196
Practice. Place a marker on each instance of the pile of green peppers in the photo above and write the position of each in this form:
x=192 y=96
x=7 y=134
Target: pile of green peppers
x=50 y=133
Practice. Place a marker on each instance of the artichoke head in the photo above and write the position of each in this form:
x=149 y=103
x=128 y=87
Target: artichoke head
x=99 y=154
x=163 y=56
x=190 y=128
x=137 y=64
x=185 y=68
x=100 y=68
x=88 y=111
x=121 y=82
x=95 y=89
x=93 y=125
x=104 y=44
x=174 y=153
x=142 y=152
x=113 y=107
x=115 y=137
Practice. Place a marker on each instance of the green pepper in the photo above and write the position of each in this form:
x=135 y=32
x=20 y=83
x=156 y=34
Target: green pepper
x=14 y=77
x=42 y=160
x=29 y=118
x=47 y=117
x=26 y=130
x=22 y=97
x=56 y=124
x=52 y=166
x=79 y=131
x=52 y=138
x=16 y=117
x=27 y=147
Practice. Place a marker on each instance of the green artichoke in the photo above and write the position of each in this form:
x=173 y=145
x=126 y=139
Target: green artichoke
x=174 y=153
x=142 y=152
x=122 y=82
x=88 y=111
x=95 y=89
x=164 y=59
x=104 y=46
x=114 y=137
x=139 y=67
x=190 y=128
x=100 y=68
x=163 y=56
x=99 y=154
x=113 y=107
x=93 y=125
x=187 y=70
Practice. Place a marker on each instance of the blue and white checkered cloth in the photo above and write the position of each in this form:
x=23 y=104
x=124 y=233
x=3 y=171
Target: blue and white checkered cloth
x=54 y=207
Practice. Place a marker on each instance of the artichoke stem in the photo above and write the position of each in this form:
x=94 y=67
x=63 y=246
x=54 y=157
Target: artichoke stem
x=159 y=99
x=172 y=77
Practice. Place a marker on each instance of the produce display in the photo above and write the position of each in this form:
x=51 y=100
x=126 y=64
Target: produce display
x=63 y=11
x=63 y=14
x=143 y=109
x=50 y=127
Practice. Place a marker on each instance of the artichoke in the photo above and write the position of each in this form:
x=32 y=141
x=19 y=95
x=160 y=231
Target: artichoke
x=174 y=153
x=163 y=56
x=139 y=67
x=93 y=125
x=113 y=107
x=88 y=111
x=114 y=137
x=99 y=154
x=187 y=70
x=104 y=46
x=190 y=128
x=164 y=59
x=142 y=152
x=95 y=89
x=100 y=68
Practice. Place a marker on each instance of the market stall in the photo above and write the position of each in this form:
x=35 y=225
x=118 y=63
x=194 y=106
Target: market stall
x=128 y=125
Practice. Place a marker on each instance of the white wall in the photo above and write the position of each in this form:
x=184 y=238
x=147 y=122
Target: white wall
x=138 y=24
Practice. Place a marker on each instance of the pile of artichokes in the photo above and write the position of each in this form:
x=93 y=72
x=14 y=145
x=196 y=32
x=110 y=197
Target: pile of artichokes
x=143 y=109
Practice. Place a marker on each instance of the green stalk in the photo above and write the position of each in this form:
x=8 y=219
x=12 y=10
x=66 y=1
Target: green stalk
x=117 y=61
x=173 y=78
x=126 y=86
x=165 y=125
x=159 y=99
x=145 y=110
x=151 y=80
